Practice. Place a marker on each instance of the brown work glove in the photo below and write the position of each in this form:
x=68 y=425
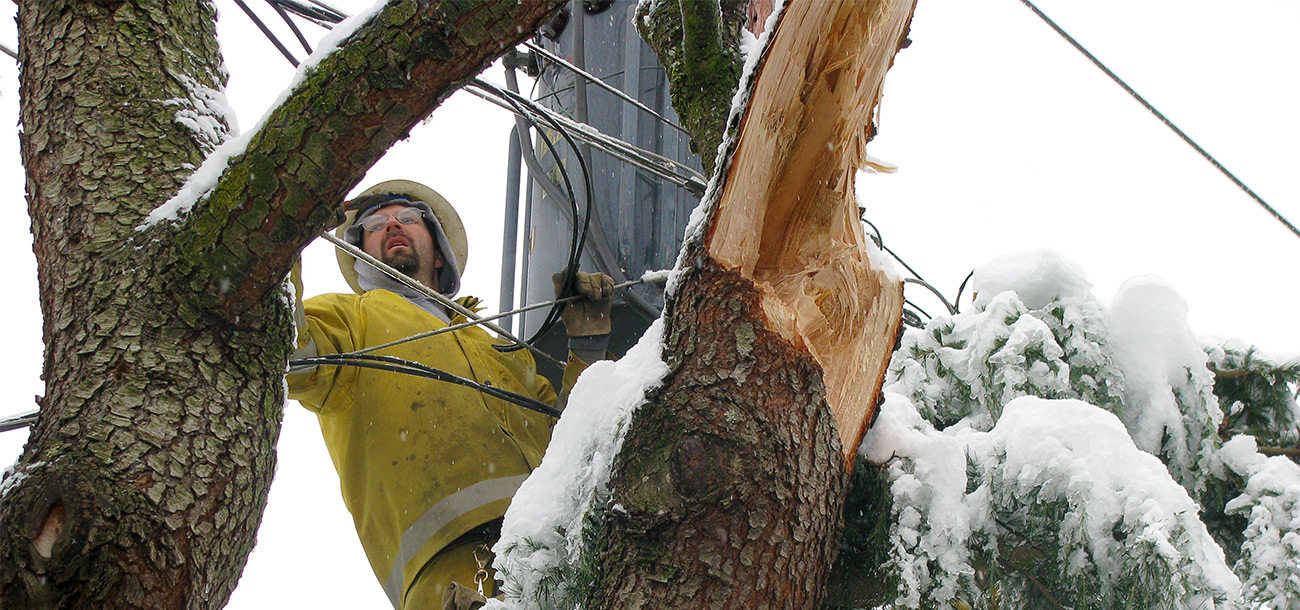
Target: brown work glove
x=588 y=315
x=459 y=597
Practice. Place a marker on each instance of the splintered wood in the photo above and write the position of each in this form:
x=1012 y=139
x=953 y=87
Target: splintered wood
x=787 y=217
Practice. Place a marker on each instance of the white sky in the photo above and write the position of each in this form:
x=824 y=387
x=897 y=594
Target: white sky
x=1007 y=140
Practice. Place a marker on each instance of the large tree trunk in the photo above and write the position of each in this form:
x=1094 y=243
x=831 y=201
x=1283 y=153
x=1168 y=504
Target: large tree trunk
x=145 y=478
x=729 y=487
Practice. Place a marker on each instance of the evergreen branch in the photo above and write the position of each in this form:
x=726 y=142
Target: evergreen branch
x=1033 y=581
x=1007 y=564
x=1023 y=538
x=1287 y=451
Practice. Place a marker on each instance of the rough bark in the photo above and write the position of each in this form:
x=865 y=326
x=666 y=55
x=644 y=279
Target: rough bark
x=144 y=480
x=729 y=489
x=729 y=485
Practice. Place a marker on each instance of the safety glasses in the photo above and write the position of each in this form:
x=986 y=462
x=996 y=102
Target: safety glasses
x=406 y=216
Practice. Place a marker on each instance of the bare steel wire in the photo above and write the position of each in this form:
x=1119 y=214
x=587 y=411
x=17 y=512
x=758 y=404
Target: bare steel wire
x=1168 y=123
x=540 y=50
x=425 y=290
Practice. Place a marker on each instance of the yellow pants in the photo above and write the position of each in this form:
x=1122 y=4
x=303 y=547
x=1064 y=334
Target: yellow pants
x=452 y=564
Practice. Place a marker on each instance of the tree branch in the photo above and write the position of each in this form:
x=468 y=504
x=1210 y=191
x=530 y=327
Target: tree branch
x=701 y=36
x=1287 y=451
x=698 y=44
x=287 y=186
x=1038 y=585
x=776 y=338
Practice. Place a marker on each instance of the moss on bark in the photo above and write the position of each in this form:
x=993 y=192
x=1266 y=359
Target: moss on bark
x=698 y=43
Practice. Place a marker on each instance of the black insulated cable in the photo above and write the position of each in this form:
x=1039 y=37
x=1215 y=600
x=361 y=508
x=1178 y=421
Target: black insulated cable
x=407 y=367
x=292 y=26
x=267 y=32
x=1159 y=115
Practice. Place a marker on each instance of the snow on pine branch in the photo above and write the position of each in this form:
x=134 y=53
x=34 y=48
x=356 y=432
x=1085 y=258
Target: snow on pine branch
x=1043 y=448
x=1270 y=556
x=1171 y=409
x=1056 y=487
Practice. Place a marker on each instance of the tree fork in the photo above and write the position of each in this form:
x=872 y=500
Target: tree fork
x=729 y=488
x=144 y=480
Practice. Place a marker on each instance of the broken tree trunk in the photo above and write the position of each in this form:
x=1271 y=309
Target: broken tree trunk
x=728 y=490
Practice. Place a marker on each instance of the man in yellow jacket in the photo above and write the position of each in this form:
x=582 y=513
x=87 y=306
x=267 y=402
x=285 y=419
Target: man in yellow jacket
x=427 y=468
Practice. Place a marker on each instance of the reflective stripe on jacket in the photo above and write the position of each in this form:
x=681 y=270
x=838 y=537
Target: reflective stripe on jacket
x=420 y=462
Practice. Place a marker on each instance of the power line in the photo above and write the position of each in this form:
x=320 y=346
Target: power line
x=279 y=10
x=322 y=14
x=1168 y=123
x=647 y=279
x=603 y=85
x=267 y=32
x=579 y=237
x=643 y=159
x=426 y=291
x=407 y=367
x=924 y=284
x=908 y=317
x=651 y=162
x=22 y=420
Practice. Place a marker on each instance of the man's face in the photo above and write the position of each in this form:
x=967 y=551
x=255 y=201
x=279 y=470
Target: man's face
x=406 y=247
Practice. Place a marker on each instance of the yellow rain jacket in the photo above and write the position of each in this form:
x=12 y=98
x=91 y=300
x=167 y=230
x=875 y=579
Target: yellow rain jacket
x=420 y=461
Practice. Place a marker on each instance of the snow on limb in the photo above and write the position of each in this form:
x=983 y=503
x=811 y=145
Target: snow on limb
x=1037 y=277
x=206 y=177
x=542 y=542
x=1067 y=503
x=1035 y=330
x=934 y=519
x=206 y=112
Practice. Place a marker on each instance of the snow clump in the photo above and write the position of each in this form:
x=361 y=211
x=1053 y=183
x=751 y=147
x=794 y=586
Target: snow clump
x=1035 y=331
x=1059 y=477
x=1037 y=278
x=1170 y=406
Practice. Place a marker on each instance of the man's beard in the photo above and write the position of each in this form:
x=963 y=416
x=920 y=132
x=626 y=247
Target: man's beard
x=407 y=262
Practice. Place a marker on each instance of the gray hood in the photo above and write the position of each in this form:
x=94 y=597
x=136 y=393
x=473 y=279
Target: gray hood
x=370 y=278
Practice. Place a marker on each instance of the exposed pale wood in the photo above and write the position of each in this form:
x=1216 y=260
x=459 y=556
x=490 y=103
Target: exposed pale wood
x=729 y=488
x=788 y=218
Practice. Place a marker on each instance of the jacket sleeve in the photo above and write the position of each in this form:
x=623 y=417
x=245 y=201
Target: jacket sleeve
x=572 y=369
x=326 y=327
